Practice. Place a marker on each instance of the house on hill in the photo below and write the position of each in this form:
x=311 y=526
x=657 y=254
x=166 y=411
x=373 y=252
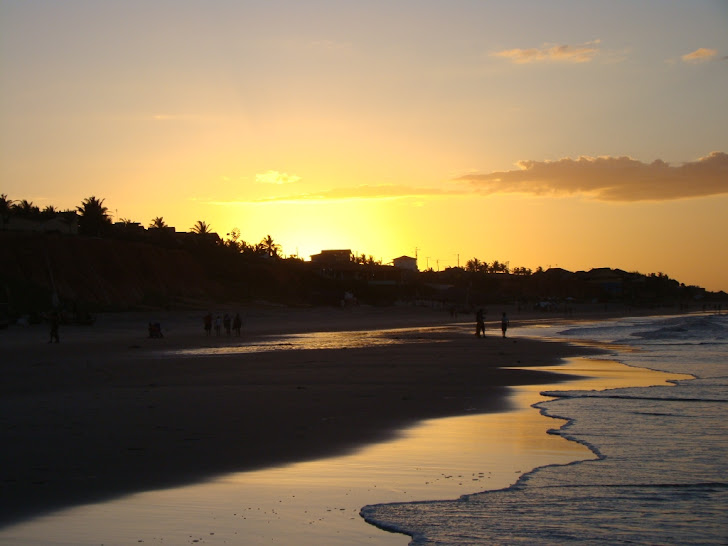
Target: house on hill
x=65 y=223
x=610 y=282
x=331 y=257
x=405 y=262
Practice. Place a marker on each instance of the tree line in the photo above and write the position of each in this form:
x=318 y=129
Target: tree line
x=94 y=219
x=474 y=265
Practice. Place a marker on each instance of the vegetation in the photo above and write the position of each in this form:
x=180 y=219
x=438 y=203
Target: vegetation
x=476 y=266
x=158 y=223
x=201 y=228
x=123 y=265
x=93 y=217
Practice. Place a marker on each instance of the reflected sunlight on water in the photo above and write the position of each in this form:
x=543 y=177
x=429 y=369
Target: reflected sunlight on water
x=318 y=502
x=313 y=340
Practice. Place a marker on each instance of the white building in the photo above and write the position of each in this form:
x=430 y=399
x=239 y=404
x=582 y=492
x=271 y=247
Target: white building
x=405 y=262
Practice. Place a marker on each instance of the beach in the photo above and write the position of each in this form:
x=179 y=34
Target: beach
x=109 y=412
x=656 y=468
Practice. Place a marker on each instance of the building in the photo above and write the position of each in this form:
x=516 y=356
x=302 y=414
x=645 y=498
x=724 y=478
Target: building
x=406 y=262
x=65 y=223
x=332 y=257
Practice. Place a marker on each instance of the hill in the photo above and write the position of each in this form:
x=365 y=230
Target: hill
x=88 y=274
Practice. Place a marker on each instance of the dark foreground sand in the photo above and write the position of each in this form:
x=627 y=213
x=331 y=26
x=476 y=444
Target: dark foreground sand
x=102 y=414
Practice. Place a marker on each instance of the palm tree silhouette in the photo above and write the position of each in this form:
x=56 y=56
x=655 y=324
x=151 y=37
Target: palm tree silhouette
x=201 y=228
x=5 y=208
x=26 y=209
x=473 y=265
x=49 y=212
x=94 y=217
x=269 y=247
x=158 y=223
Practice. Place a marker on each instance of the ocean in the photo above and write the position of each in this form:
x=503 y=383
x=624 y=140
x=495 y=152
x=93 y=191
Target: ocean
x=658 y=473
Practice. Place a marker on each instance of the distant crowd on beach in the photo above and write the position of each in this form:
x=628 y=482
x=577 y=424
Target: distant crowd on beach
x=231 y=324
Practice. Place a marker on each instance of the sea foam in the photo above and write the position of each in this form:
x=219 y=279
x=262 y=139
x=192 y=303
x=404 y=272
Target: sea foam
x=658 y=472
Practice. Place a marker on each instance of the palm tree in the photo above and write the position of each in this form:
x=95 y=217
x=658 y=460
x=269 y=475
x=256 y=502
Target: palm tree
x=5 y=209
x=201 y=228
x=269 y=247
x=94 y=217
x=473 y=265
x=49 y=212
x=26 y=209
x=158 y=223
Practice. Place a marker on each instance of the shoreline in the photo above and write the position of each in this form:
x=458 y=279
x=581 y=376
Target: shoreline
x=609 y=494
x=101 y=415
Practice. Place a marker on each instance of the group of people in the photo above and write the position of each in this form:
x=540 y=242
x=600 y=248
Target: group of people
x=480 y=323
x=155 y=329
x=231 y=324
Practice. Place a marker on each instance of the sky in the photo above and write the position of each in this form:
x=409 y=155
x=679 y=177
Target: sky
x=573 y=134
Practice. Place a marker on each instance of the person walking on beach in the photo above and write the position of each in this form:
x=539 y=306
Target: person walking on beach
x=227 y=322
x=237 y=324
x=54 y=327
x=218 y=325
x=208 y=323
x=480 y=322
x=504 y=323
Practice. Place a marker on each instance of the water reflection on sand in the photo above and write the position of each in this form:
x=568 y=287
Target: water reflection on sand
x=312 y=341
x=317 y=502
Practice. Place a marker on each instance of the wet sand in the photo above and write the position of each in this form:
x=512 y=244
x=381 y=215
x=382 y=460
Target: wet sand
x=109 y=412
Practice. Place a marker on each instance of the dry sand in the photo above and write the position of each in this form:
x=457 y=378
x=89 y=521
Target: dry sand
x=105 y=413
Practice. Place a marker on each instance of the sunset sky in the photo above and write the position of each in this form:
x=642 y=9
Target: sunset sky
x=576 y=134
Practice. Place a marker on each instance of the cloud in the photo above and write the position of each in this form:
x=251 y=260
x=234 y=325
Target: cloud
x=582 y=53
x=384 y=191
x=610 y=178
x=699 y=55
x=275 y=177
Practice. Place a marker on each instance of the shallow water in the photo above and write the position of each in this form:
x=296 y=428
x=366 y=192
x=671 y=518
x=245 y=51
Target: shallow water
x=658 y=473
x=224 y=345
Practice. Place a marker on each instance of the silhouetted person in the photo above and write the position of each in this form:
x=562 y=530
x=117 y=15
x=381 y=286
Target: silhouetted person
x=237 y=324
x=480 y=322
x=55 y=321
x=218 y=325
x=208 y=323
x=227 y=323
x=504 y=323
x=155 y=329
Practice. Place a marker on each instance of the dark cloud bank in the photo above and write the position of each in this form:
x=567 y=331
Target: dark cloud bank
x=610 y=178
x=615 y=179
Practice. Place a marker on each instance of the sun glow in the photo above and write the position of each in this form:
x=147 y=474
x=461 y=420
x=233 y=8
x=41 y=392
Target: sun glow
x=484 y=143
